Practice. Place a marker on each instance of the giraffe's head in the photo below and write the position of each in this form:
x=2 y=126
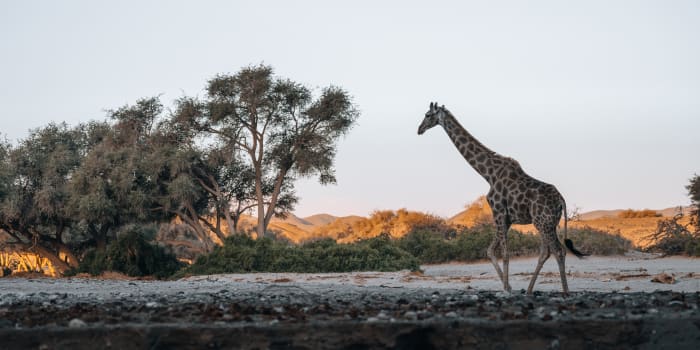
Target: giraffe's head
x=433 y=116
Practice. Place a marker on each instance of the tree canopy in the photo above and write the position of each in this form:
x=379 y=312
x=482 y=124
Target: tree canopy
x=277 y=126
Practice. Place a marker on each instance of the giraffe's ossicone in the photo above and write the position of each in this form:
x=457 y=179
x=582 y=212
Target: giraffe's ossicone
x=515 y=197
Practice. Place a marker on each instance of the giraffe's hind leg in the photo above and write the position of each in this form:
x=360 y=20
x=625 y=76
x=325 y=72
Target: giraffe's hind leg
x=504 y=246
x=544 y=255
x=560 y=255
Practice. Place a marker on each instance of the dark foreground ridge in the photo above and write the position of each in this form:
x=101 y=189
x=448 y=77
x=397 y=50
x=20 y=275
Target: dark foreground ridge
x=290 y=317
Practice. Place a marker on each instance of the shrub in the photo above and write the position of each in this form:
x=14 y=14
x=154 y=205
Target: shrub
x=674 y=238
x=597 y=242
x=133 y=254
x=467 y=245
x=428 y=246
x=243 y=254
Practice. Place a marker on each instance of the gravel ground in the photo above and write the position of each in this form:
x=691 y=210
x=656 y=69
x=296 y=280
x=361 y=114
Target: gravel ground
x=613 y=304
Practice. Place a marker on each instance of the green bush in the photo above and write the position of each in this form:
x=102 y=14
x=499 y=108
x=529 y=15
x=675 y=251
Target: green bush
x=244 y=254
x=468 y=245
x=597 y=242
x=133 y=254
x=422 y=245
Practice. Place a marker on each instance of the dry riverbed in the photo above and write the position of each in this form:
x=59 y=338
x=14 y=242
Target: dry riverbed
x=614 y=304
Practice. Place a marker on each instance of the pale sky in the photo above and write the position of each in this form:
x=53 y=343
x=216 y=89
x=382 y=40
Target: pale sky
x=600 y=98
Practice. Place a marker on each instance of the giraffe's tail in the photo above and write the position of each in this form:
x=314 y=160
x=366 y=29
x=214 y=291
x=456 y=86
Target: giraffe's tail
x=567 y=242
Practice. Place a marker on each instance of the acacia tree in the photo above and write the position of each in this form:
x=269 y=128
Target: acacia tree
x=35 y=190
x=115 y=185
x=218 y=169
x=278 y=126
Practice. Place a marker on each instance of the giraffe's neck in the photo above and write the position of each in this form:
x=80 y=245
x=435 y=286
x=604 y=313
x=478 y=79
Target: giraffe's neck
x=485 y=161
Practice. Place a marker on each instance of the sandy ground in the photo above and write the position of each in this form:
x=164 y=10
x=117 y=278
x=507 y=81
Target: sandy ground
x=630 y=273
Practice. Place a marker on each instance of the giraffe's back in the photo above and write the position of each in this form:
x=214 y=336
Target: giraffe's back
x=525 y=198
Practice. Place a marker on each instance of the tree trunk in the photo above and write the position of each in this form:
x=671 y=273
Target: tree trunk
x=231 y=224
x=60 y=265
x=101 y=242
x=197 y=228
x=61 y=249
x=261 y=203
x=275 y=196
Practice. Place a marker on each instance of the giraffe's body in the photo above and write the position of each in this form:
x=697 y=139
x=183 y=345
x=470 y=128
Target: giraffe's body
x=515 y=197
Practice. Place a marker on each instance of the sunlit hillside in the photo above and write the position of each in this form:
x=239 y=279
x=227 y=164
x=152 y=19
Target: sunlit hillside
x=395 y=223
x=634 y=229
x=399 y=222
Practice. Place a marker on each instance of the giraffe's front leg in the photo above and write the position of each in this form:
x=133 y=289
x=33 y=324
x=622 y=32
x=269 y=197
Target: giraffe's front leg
x=491 y=253
x=544 y=255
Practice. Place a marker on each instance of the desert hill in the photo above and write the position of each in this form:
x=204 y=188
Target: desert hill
x=397 y=223
x=634 y=229
x=597 y=214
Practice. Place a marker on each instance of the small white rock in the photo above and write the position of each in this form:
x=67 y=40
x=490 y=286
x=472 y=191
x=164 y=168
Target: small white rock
x=503 y=294
x=77 y=323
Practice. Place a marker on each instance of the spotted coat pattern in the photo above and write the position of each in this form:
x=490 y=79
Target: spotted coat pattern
x=515 y=197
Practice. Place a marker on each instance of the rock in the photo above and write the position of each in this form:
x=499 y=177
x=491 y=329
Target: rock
x=471 y=297
x=382 y=315
x=663 y=278
x=422 y=315
x=503 y=294
x=77 y=323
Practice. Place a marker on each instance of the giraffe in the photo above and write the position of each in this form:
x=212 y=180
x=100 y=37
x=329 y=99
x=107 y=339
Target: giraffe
x=515 y=198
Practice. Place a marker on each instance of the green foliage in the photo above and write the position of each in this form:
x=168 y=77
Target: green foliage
x=468 y=245
x=120 y=179
x=243 y=254
x=132 y=253
x=636 y=214
x=598 y=242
